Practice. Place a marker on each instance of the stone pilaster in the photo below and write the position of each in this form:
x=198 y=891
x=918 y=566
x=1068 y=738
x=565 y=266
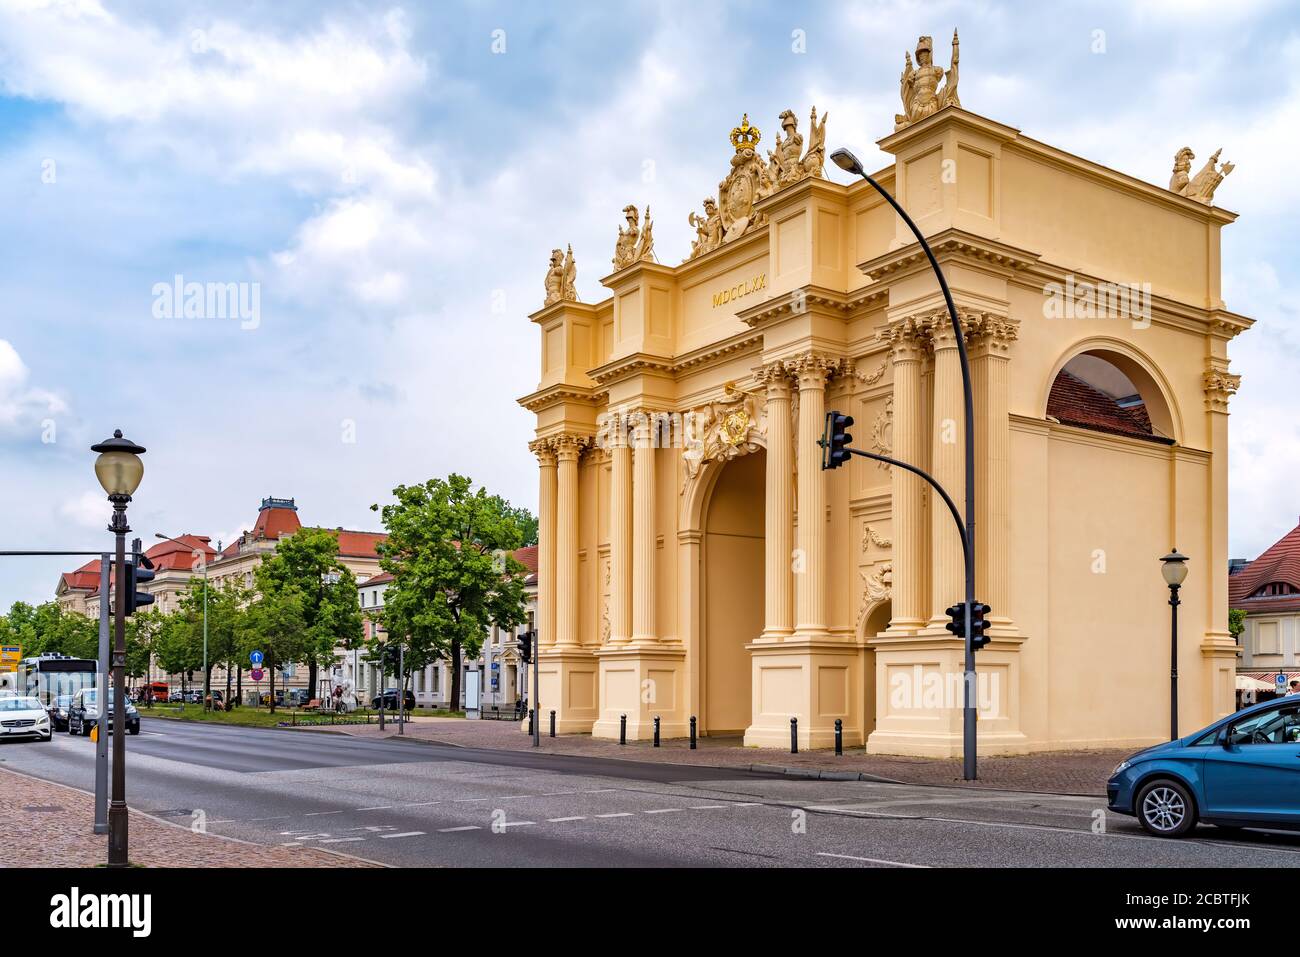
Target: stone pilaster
x=546 y=525
x=811 y=372
x=947 y=448
x=568 y=450
x=620 y=541
x=644 y=530
x=778 y=620
x=908 y=607
x=1219 y=649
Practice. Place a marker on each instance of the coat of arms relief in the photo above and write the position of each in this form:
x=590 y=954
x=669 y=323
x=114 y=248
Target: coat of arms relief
x=724 y=429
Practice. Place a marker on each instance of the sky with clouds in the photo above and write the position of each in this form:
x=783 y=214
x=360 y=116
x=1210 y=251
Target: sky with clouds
x=394 y=176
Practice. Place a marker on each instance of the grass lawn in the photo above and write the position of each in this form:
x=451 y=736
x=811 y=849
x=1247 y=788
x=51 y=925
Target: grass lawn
x=263 y=718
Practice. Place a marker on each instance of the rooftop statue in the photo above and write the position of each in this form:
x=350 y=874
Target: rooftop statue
x=788 y=163
x=919 y=84
x=1200 y=187
x=560 y=277
x=636 y=243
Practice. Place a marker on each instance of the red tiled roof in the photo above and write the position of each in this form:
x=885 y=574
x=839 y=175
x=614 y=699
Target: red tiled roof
x=383 y=578
x=1074 y=402
x=170 y=556
x=1279 y=563
x=85 y=578
x=274 y=521
x=527 y=556
x=358 y=544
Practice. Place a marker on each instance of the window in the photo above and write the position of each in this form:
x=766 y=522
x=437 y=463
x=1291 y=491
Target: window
x=1277 y=726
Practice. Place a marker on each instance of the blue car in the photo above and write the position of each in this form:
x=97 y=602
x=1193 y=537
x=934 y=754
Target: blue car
x=1242 y=771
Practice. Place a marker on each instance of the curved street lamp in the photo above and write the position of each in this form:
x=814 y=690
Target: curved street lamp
x=119 y=471
x=850 y=164
x=1173 y=567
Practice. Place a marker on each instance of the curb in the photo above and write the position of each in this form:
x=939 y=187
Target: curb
x=245 y=727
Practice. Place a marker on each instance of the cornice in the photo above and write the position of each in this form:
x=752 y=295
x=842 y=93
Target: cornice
x=556 y=309
x=556 y=394
x=948 y=116
x=811 y=298
x=633 y=364
x=949 y=243
x=705 y=355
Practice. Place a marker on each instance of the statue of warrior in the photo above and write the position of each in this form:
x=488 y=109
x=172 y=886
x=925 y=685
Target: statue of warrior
x=560 y=277
x=636 y=243
x=919 y=85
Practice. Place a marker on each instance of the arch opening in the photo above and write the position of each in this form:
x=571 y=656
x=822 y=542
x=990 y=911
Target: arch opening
x=1107 y=391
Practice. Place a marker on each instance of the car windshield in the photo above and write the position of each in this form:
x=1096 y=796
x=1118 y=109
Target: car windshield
x=1278 y=726
x=91 y=698
x=64 y=700
x=19 y=704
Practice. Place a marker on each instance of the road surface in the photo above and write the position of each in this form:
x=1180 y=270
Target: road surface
x=416 y=804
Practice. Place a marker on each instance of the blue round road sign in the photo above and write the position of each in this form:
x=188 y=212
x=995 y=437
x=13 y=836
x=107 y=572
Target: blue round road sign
x=255 y=657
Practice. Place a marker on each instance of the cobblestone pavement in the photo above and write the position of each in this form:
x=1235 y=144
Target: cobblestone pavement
x=43 y=824
x=1075 y=772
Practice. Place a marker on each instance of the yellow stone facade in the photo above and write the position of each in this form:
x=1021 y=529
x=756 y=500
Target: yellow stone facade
x=696 y=561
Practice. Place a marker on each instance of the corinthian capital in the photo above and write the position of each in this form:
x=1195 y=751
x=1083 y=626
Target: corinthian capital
x=1220 y=385
x=542 y=449
x=812 y=369
x=775 y=378
x=907 y=337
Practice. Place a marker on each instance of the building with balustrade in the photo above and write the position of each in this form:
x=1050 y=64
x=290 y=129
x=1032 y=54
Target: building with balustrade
x=696 y=561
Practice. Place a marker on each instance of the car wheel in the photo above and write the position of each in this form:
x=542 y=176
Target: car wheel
x=134 y=729
x=1166 y=809
x=85 y=729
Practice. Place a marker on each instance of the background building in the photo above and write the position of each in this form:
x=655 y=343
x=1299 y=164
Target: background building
x=1268 y=590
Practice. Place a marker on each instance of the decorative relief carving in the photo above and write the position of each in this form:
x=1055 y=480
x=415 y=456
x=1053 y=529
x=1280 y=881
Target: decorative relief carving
x=725 y=429
x=876 y=587
x=1200 y=187
x=871 y=537
x=560 y=277
x=871 y=378
x=882 y=432
x=1220 y=385
x=919 y=84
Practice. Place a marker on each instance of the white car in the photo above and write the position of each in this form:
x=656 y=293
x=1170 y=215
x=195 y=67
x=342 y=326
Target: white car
x=23 y=717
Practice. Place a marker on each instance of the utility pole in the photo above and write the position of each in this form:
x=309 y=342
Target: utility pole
x=101 y=693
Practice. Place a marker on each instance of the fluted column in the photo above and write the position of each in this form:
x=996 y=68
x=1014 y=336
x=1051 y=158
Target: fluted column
x=909 y=604
x=948 y=467
x=546 y=523
x=643 y=530
x=810 y=574
x=567 y=451
x=620 y=540
x=778 y=620
x=991 y=338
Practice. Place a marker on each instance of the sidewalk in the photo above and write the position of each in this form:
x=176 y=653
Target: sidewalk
x=43 y=824
x=1073 y=772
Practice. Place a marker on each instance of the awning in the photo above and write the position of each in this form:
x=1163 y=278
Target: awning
x=1247 y=683
x=1270 y=677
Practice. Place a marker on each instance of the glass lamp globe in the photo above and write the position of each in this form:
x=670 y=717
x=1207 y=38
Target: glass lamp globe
x=118 y=467
x=1174 y=568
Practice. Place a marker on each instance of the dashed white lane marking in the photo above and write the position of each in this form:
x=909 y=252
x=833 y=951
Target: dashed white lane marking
x=403 y=834
x=618 y=814
x=515 y=823
x=319 y=813
x=453 y=830
x=705 y=807
x=380 y=807
x=561 y=820
x=342 y=840
x=873 y=860
x=663 y=810
x=750 y=804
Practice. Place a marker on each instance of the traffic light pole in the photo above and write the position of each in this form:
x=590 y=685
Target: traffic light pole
x=848 y=162
x=537 y=704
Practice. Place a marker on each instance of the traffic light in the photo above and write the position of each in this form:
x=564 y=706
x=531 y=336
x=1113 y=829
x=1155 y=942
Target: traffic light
x=525 y=645
x=958 y=615
x=834 y=444
x=978 y=625
x=139 y=571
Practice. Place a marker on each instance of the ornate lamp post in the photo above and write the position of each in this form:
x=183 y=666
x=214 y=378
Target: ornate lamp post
x=119 y=471
x=1174 y=569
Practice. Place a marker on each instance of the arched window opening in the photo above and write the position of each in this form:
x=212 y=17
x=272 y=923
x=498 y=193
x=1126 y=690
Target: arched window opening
x=1097 y=391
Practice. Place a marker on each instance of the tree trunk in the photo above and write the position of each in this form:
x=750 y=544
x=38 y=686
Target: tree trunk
x=239 y=683
x=453 y=703
x=311 y=679
x=270 y=672
x=230 y=666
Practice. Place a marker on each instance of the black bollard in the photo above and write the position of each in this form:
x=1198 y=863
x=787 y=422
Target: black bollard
x=794 y=735
x=552 y=722
x=530 y=720
x=656 y=731
x=839 y=738
x=692 y=732
x=622 y=729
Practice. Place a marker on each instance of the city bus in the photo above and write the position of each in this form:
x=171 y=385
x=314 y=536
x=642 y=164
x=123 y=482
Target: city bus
x=50 y=675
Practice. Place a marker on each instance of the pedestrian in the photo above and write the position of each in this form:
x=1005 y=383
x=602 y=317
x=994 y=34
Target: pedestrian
x=1294 y=689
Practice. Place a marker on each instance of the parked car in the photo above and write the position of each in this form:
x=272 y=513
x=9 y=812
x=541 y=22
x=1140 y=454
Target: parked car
x=390 y=699
x=1241 y=771
x=176 y=697
x=83 y=713
x=298 y=697
x=24 y=717
x=58 y=711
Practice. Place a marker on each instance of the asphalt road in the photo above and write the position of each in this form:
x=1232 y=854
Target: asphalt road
x=406 y=803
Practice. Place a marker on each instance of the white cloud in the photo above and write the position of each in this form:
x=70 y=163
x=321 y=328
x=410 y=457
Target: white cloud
x=89 y=510
x=22 y=406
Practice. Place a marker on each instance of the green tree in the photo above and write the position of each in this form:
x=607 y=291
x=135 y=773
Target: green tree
x=1236 y=623
x=306 y=564
x=276 y=625
x=527 y=525
x=174 y=645
x=449 y=550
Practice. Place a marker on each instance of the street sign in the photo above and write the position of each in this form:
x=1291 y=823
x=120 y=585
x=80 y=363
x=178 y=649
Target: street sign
x=496 y=666
x=257 y=674
x=10 y=655
x=1281 y=681
x=255 y=657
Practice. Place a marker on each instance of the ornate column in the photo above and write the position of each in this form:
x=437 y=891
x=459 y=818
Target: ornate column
x=643 y=530
x=811 y=370
x=568 y=449
x=908 y=608
x=546 y=507
x=778 y=620
x=1218 y=649
x=991 y=338
x=620 y=539
x=947 y=465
